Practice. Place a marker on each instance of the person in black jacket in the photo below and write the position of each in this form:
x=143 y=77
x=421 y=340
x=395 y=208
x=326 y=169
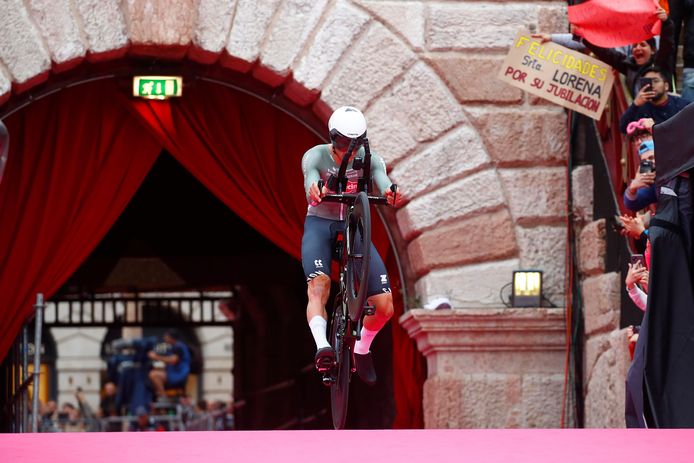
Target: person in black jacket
x=653 y=100
x=643 y=54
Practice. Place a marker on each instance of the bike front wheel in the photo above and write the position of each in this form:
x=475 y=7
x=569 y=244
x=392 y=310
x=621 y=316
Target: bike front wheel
x=358 y=247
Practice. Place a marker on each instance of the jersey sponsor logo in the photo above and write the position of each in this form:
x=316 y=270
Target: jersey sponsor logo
x=318 y=263
x=386 y=290
x=384 y=279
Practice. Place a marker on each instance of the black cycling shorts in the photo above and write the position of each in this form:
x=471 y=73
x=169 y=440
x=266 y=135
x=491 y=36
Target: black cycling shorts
x=317 y=247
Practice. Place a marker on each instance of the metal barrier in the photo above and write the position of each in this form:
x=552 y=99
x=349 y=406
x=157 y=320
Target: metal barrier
x=16 y=380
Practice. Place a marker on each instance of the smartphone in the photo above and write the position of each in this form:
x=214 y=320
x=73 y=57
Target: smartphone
x=644 y=81
x=645 y=167
x=638 y=258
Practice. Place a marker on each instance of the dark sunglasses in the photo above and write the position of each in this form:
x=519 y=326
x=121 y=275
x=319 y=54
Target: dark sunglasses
x=341 y=142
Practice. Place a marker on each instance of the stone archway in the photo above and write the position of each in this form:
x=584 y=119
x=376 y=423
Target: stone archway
x=481 y=163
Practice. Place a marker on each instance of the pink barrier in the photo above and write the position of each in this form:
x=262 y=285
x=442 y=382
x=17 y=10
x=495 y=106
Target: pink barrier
x=382 y=446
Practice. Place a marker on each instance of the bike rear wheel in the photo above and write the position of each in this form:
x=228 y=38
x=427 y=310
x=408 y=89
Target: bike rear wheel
x=358 y=246
x=339 y=389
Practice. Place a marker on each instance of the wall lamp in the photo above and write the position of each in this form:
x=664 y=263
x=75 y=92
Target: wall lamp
x=527 y=288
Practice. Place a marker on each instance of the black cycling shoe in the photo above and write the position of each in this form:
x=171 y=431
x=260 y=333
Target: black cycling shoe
x=325 y=359
x=365 y=368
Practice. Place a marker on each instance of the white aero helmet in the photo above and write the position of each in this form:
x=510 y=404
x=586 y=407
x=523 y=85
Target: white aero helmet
x=348 y=122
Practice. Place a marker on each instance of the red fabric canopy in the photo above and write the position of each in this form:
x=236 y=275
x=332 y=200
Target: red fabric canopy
x=610 y=23
x=77 y=157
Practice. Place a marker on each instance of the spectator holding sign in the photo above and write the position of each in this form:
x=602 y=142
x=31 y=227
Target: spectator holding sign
x=652 y=100
x=643 y=54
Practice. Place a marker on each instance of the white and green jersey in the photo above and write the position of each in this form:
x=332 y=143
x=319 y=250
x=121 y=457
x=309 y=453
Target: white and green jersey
x=318 y=163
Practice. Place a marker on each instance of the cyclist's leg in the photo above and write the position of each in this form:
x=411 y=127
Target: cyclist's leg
x=380 y=296
x=316 y=254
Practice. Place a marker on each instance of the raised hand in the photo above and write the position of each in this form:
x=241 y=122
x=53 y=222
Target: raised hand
x=645 y=95
x=394 y=196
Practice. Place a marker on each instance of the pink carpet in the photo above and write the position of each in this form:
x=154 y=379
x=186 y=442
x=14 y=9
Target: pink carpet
x=431 y=446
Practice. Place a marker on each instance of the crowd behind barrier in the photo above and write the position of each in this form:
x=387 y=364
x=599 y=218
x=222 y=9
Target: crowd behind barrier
x=648 y=70
x=178 y=415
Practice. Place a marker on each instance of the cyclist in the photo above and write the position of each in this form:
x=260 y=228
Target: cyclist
x=323 y=220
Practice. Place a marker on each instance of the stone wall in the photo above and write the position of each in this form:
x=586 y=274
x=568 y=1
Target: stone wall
x=480 y=161
x=491 y=368
x=606 y=352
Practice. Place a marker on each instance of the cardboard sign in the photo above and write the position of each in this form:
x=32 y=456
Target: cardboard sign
x=566 y=77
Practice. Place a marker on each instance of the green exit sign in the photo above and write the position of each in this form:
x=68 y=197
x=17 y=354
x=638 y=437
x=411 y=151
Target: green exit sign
x=157 y=87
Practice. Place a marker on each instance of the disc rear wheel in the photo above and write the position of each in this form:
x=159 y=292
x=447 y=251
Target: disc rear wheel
x=339 y=389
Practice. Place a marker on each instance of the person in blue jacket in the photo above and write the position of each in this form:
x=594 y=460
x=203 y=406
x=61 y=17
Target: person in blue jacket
x=176 y=365
x=641 y=190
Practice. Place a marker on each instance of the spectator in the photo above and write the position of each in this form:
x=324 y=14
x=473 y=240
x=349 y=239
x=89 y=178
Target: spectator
x=201 y=407
x=641 y=190
x=219 y=412
x=643 y=54
x=636 y=227
x=653 y=101
x=108 y=406
x=176 y=365
x=637 y=285
x=69 y=419
x=49 y=417
x=144 y=422
x=91 y=424
x=682 y=11
x=187 y=409
x=632 y=339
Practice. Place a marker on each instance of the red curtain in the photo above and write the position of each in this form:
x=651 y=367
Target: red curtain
x=75 y=161
x=250 y=158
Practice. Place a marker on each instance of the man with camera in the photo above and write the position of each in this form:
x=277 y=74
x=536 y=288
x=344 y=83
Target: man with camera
x=653 y=100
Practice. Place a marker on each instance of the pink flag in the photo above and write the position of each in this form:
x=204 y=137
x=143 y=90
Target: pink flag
x=614 y=23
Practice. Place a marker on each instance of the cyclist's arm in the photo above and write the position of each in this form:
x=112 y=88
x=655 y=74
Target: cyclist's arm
x=309 y=165
x=378 y=174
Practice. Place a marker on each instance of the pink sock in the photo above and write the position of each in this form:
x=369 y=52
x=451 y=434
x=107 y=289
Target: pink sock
x=362 y=346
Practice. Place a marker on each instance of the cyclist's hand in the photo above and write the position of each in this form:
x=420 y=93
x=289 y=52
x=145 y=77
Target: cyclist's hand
x=315 y=195
x=394 y=198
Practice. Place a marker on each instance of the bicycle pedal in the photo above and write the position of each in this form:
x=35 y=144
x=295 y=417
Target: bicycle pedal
x=325 y=366
x=328 y=380
x=369 y=309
